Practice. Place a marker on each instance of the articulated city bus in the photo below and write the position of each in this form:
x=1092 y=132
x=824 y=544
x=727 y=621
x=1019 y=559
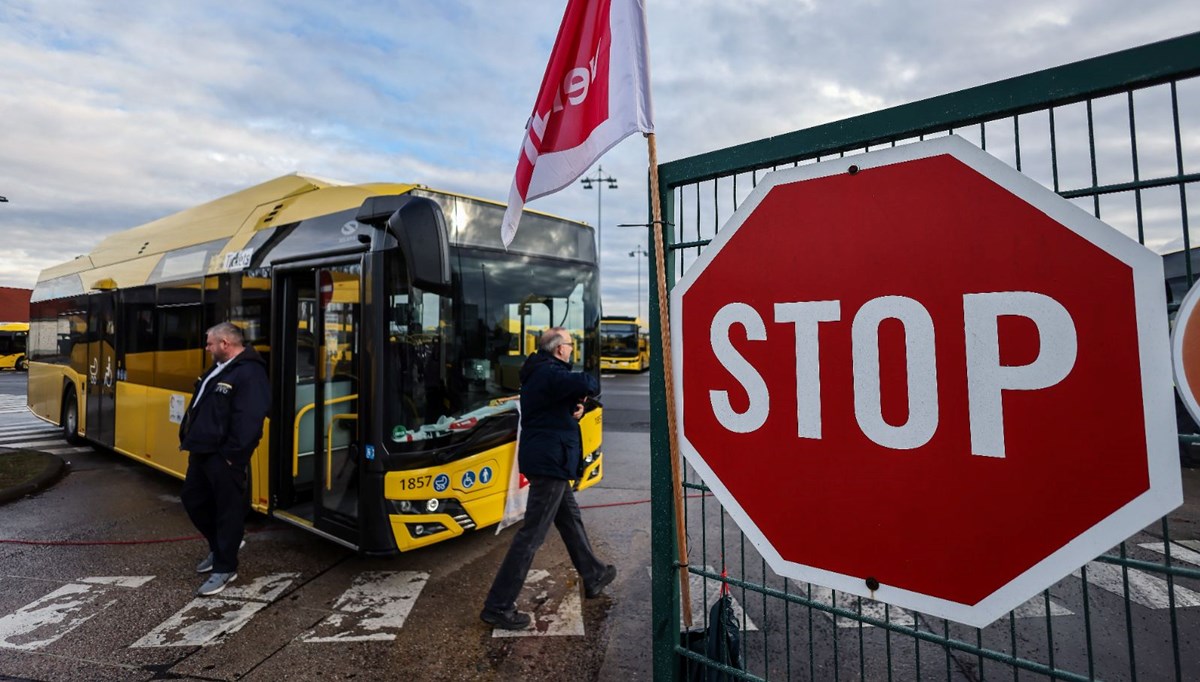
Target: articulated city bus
x=393 y=322
x=13 y=340
x=624 y=344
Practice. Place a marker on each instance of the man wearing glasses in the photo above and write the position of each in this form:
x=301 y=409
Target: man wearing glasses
x=549 y=451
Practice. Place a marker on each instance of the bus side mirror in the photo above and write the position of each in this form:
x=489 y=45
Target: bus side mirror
x=420 y=228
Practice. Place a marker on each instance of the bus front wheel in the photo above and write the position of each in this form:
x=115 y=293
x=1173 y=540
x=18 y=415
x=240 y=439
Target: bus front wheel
x=22 y=365
x=70 y=418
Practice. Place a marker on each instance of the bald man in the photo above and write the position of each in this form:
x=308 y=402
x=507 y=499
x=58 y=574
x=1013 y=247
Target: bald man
x=549 y=453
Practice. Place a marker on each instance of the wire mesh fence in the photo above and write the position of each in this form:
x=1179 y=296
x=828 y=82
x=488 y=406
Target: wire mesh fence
x=1118 y=136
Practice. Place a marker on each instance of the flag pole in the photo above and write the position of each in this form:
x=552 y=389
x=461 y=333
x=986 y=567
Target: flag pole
x=685 y=595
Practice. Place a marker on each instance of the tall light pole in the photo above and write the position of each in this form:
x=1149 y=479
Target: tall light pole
x=639 y=251
x=599 y=181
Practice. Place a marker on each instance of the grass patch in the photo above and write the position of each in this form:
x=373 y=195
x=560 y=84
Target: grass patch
x=20 y=466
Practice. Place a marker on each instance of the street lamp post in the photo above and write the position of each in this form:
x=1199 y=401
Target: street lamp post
x=598 y=180
x=639 y=251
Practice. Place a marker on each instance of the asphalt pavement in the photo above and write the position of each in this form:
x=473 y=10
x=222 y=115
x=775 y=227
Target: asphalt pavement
x=105 y=587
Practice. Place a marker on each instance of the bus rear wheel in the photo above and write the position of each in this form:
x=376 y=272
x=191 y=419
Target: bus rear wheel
x=22 y=365
x=70 y=417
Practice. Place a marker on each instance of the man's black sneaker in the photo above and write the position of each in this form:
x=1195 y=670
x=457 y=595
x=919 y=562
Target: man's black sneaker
x=610 y=572
x=506 y=621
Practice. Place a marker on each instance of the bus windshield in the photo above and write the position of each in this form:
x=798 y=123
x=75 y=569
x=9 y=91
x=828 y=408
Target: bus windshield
x=454 y=362
x=619 y=339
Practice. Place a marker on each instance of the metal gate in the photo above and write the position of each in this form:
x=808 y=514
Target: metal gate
x=1118 y=135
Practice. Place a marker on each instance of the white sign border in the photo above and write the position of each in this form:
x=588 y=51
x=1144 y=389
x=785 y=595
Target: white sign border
x=1165 y=491
x=1182 y=386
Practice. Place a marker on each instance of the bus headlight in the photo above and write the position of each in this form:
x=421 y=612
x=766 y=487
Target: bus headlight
x=420 y=530
x=432 y=505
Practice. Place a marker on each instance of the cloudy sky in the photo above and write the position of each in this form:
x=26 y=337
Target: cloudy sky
x=116 y=113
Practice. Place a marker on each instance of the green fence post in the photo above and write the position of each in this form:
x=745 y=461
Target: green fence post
x=664 y=581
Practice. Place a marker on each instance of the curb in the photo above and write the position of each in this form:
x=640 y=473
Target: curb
x=52 y=470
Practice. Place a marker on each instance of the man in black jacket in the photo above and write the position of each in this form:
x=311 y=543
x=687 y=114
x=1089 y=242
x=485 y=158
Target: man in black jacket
x=549 y=452
x=220 y=430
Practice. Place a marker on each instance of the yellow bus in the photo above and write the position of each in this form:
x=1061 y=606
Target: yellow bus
x=385 y=314
x=624 y=344
x=13 y=340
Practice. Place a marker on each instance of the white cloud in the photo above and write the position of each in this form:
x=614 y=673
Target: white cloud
x=118 y=113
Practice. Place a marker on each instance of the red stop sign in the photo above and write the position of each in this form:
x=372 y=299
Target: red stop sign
x=920 y=377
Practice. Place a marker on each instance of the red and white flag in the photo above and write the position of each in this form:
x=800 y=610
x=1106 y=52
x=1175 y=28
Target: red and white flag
x=595 y=93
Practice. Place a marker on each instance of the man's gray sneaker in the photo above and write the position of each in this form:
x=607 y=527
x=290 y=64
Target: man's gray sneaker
x=215 y=583
x=207 y=565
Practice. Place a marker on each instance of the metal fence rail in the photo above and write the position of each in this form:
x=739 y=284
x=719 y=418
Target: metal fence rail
x=1118 y=135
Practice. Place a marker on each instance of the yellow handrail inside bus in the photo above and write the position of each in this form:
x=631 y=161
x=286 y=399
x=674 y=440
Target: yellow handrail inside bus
x=329 y=447
x=296 y=429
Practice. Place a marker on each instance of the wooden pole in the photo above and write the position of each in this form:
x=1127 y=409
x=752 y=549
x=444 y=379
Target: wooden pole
x=685 y=593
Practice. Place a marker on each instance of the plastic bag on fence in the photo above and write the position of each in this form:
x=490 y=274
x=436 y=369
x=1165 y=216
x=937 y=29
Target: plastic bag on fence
x=518 y=486
x=721 y=642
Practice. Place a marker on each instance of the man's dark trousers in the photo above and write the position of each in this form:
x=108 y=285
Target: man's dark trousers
x=214 y=495
x=550 y=501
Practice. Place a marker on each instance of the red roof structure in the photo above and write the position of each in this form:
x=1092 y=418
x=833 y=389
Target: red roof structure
x=14 y=304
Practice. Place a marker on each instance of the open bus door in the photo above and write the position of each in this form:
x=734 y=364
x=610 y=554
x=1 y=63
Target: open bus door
x=315 y=468
x=101 y=369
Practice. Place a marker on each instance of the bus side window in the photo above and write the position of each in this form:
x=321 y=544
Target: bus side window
x=180 y=352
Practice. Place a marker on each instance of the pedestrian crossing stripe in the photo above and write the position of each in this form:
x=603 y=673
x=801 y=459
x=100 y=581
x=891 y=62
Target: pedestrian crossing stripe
x=207 y=620
x=700 y=589
x=26 y=432
x=378 y=603
x=565 y=618
x=44 y=621
x=1182 y=550
x=12 y=404
x=372 y=610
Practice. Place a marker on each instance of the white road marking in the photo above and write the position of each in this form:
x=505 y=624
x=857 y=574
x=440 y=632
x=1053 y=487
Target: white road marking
x=1186 y=553
x=201 y=623
x=373 y=609
x=68 y=450
x=870 y=608
x=26 y=418
x=12 y=404
x=699 y=590
x=265 y=588
x=37 y=427
x=1034 y=608
x=26 y=436
x=565 y=620
x=44 y=621
x=1145 y=589
x=131 y=581
x=34 y=444
x=207 y=620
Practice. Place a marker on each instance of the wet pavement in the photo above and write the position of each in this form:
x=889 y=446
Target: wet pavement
x=303 y=608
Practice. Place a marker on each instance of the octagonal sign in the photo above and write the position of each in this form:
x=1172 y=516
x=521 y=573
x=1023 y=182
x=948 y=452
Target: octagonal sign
x=920 y=377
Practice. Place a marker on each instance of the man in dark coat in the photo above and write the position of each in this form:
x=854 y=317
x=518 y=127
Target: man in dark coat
x=549 y=453
x=220 y=430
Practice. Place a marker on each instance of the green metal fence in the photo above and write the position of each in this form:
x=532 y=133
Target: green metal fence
x=1120 y=136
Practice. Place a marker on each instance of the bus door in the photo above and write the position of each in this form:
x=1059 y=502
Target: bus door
x=101 y=368
x=318 y=356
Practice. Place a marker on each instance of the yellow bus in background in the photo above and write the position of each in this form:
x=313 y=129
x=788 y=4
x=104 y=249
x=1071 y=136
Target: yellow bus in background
x=624 y=344
x=386 y=314
x=14 y=338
